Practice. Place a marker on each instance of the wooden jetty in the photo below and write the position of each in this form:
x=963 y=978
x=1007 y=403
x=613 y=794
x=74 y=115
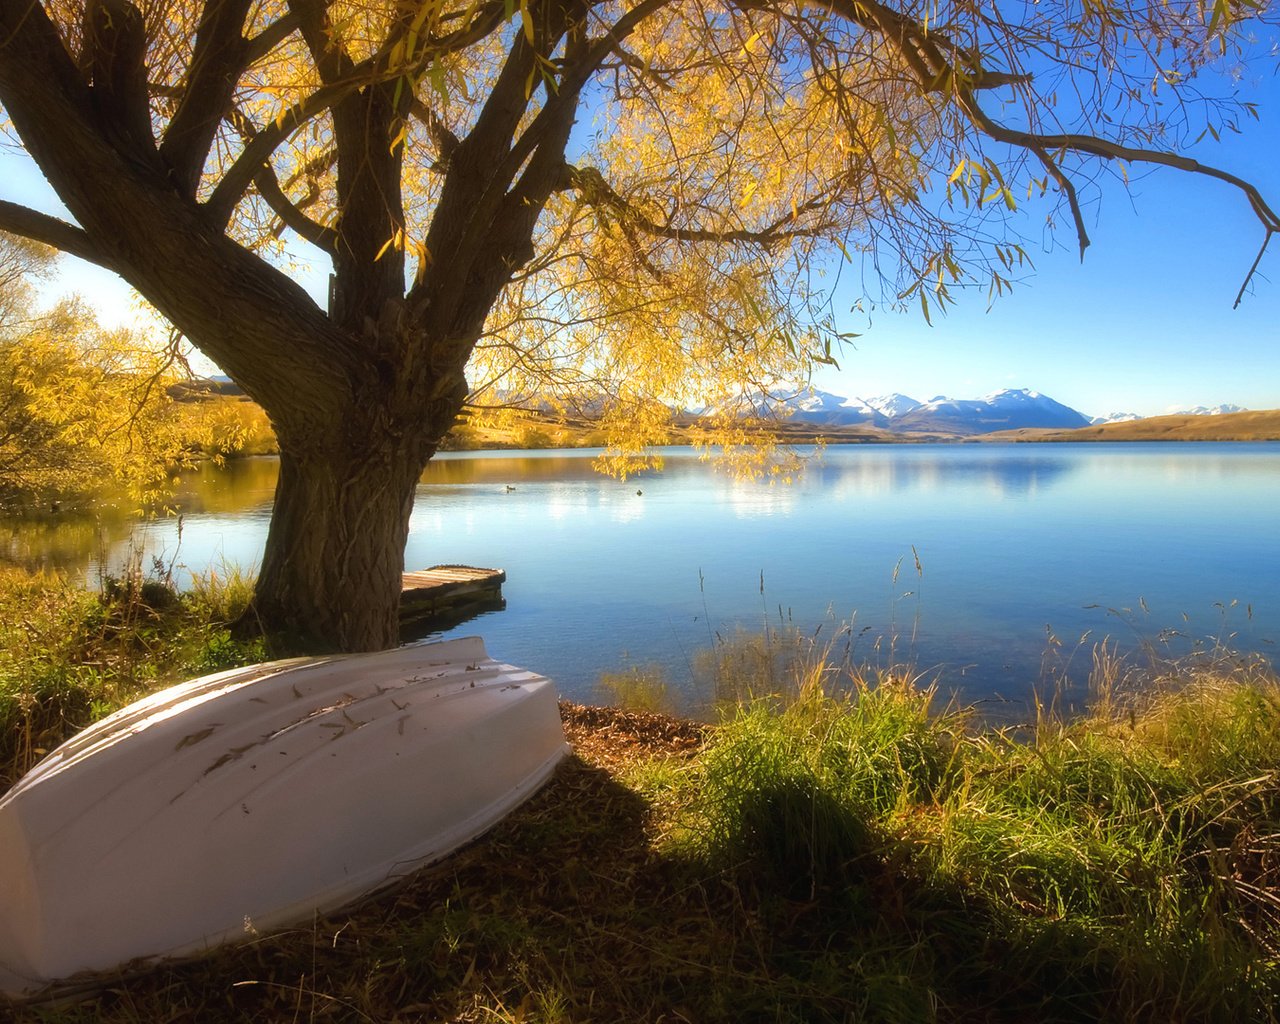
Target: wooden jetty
x=444 y=595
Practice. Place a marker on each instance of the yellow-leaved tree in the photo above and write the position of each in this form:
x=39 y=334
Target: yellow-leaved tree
x=83 y=407
x=629 y=201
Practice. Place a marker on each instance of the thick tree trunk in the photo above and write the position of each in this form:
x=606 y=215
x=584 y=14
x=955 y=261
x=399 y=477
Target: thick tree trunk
x=331 y=573
x=360 y=395
x=330 y=577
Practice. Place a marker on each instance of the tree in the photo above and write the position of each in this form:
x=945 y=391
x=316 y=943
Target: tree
x=82 y=407
x=427 y=149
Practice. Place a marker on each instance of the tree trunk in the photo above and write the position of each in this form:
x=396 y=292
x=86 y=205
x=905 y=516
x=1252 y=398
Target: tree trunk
x=330 y=577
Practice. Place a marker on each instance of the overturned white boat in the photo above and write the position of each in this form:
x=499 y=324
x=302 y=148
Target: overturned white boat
x=258 y=797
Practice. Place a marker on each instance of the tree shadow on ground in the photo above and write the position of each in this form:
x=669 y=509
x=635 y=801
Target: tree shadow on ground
x=577 y=908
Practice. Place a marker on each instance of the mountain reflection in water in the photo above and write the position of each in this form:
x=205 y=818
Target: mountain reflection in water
x=1015 y=542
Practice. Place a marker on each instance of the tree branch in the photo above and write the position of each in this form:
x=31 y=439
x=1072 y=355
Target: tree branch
x=231 y=189
x=331 y=59
x=268 y=186
x=40 y=227
x=570 y=86
x=1109 y=150
x=920 y=49
x=269 y=38
x=115 y=45
x=341 y=78
x=589 y=183
x=445 y=141
x=217 y=61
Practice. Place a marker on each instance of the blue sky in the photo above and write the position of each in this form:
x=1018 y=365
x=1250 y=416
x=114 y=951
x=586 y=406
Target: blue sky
x=1145 y=324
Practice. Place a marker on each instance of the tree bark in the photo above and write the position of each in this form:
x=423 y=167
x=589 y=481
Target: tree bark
x=335 y=552
x=330 y=578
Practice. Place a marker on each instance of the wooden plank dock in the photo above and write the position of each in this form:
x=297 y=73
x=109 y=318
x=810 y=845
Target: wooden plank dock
x=445 y=595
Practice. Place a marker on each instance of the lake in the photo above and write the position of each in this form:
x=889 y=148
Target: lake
x=994 y=567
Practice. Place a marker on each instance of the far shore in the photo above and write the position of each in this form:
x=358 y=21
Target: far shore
x=539 y=430
x=1262 y=425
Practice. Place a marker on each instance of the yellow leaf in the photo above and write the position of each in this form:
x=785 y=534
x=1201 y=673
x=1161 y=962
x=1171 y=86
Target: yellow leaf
x=393 y=240
x=527 y=19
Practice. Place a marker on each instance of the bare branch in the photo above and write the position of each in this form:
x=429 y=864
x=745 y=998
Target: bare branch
x=1244 y=285
x=40 y=227
x=268 y=187
x=1069 y=190
x=590 y=185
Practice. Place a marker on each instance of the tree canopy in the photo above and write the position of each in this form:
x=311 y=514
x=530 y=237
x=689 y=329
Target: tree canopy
x=82 y=407
x=646 y=200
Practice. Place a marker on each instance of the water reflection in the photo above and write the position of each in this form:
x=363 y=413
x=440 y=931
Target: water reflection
x=1013 y=541
x=239 y=485
x=927 y=471
x=60 y=541
x=512 y=469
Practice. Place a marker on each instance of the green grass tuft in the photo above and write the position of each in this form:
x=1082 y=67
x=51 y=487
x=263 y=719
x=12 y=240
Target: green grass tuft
x=69 y=656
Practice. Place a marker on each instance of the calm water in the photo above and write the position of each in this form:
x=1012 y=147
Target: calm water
x=1174 y=544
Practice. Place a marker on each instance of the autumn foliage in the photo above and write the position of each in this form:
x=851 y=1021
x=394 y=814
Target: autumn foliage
x=661 y=203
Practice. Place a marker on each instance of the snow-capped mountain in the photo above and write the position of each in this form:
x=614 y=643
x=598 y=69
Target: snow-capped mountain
x=1010 y=409
x=891 y=405
x=1004 y=410
x=1115 y=417
x=826 y=408
x=1208 y=410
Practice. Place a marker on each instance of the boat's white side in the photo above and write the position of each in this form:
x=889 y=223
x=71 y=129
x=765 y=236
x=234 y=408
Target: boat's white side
x=255 y=798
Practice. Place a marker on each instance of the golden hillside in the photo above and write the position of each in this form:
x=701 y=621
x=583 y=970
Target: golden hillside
x=1235 y=426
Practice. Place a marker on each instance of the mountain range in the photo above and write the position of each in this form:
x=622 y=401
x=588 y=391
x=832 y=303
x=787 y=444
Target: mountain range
x=1010 y=409
x=1005 y=410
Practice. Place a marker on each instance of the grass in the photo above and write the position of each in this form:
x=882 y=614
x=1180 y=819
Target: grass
x=69 y=656
x=841 y=848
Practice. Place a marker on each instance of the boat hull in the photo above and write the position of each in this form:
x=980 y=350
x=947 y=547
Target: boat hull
x=257 y=798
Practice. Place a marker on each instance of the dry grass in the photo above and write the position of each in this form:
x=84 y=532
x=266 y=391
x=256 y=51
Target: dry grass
x=559 y=913
x=1235 y=426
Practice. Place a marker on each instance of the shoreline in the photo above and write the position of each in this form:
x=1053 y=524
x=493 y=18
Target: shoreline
x=569 y=434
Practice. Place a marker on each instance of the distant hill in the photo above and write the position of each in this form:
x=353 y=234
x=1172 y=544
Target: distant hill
x=199 y=388
x=824 y=408
x=1015 y=414
x=1115 y=417
x=1228 y=426
x=892 y=405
